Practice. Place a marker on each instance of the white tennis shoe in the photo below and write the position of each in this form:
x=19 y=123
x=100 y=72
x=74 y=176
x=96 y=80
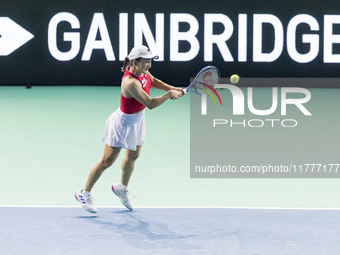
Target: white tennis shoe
x=123 y=192
x=86 y=200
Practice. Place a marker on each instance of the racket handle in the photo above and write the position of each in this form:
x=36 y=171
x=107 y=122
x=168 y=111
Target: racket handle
x=185 y=91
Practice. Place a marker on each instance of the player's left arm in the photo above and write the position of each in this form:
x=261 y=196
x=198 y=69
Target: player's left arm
x=158 y=84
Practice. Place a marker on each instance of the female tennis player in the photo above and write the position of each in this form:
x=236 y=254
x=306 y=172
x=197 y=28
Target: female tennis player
x=125 y=128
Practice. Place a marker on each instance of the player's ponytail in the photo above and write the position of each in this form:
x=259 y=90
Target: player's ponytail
x=125 y=64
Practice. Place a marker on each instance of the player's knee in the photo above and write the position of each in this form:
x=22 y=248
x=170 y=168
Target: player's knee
x=106 y=163
x=133 y=155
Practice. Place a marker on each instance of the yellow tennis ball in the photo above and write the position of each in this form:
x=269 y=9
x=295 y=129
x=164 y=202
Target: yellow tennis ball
x=234 y=78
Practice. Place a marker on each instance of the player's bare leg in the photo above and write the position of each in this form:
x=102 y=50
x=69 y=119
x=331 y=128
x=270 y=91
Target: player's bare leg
x=128 y=164
x=109 y=157
x=120 y=189
x=84 y=196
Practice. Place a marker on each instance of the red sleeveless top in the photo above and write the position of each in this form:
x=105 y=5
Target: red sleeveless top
x=131 y=105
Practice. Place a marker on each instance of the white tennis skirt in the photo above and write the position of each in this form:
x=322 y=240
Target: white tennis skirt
x=124 y=130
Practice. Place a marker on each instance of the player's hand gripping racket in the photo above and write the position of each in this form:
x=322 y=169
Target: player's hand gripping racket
x=205 y=81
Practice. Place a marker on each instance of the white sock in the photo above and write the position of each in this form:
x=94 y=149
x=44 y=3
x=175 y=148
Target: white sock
x=122 y=185
x=85 y=192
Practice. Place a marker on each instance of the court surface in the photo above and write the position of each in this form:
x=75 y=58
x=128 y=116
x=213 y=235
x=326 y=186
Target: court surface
x=169 y=231
x=50 y=138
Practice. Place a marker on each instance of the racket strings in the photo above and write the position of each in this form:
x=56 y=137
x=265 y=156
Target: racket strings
x=206 y=80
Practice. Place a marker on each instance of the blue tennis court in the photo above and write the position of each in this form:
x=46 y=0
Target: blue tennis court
x=57 y=230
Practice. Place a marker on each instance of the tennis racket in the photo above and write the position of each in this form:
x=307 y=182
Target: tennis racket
x=204 y=82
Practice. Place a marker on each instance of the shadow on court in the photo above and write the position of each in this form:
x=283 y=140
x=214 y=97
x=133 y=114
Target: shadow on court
x=138 y=231
x=34 y=230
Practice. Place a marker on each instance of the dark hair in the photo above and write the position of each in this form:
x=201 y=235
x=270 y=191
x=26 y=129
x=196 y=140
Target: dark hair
x=127 y=63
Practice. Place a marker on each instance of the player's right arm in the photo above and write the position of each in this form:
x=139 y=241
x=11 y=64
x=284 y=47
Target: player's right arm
x=132 y=88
